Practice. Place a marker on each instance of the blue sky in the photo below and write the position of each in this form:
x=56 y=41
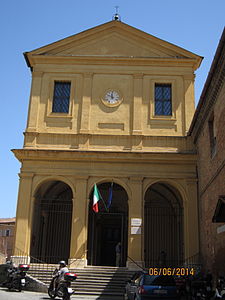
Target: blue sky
x=195 y=25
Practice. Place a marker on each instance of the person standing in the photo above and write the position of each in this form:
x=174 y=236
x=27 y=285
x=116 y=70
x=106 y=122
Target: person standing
x=118 y=254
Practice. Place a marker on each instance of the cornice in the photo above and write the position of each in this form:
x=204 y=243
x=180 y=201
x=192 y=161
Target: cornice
x=102 y=156
x=211 y=90
x=116 y=27
x=111 y=60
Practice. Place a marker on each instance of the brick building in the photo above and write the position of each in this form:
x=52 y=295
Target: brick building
x=7 y=229
x=207 y=130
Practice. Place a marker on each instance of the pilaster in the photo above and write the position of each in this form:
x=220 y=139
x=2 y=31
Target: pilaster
x=86 y=103
x=79 y=220
x=135 y=211
x=23 y=227
x=191 y=221
x=137 y=104
x=32 y=122
x=189 y=100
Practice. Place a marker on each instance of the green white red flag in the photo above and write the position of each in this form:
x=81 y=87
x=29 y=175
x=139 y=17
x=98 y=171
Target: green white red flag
x=96 y=198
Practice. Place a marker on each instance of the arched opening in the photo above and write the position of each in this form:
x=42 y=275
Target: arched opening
x=108 y=227
x=163 y=226
x=51 y=228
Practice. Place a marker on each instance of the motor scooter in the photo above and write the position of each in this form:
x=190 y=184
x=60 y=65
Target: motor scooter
x=16 y=277
x=63 y=288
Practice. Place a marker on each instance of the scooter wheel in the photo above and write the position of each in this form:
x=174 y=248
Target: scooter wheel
x=17 y=286
x=51 y=293
x=66 y=295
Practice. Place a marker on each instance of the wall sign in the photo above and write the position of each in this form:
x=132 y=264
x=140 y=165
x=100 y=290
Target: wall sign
x=136 y=221
x=136 y=230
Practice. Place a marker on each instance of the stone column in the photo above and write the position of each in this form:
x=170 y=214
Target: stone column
x=86 y=103
x=135 y=212
x=79 y=225
x=23 y=220
x=189 y=99
x=137 y=104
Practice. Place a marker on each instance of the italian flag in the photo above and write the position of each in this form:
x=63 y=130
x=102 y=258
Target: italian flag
x=96 y=198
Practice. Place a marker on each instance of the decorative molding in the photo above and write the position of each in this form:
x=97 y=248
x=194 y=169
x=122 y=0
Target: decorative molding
x=114 y=126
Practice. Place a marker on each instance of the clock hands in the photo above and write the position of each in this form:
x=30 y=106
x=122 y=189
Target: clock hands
x=112 y=97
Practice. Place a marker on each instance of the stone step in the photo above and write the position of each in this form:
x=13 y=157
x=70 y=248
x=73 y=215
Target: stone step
x=85 y=273
x=88 y=283
x=93 y=292
x=91 y=281
x=85 y=279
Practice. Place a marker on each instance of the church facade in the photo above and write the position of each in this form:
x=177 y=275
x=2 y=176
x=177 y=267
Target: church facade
x=111 y=107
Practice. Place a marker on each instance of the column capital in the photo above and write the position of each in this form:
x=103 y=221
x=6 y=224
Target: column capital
x=81 y=177
x=189 y=77
x=88 y=74
x=136 y=179
x=138 y=75
x=37 y=73
x=190 y=181
x=26 y=175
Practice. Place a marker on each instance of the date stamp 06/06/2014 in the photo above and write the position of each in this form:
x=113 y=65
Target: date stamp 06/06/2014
x=172 y=271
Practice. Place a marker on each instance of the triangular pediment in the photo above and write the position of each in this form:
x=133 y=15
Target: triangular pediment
x=114 y=39
x=111 y=44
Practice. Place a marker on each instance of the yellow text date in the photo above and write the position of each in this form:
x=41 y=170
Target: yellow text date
x=172 y=271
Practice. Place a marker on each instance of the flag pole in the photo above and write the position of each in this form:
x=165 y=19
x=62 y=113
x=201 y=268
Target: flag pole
x=103 y=201
x=110 y=195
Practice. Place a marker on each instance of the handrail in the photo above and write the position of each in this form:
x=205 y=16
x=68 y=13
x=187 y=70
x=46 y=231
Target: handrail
x=193 y=260
x=136 y=263
x=21 y=256
x=24 y=254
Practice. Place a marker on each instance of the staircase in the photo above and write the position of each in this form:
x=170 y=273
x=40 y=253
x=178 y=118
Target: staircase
x=98 y=281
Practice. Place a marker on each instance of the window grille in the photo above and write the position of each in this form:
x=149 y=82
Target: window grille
x=163 y=100
x=61 y=97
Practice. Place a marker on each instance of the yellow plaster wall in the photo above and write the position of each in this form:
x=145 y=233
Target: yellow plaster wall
x=80 y=173
x=94 y=142
x=88 y=115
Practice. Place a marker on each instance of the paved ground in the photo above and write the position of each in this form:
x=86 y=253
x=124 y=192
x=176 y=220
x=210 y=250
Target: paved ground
x=6 y=295
x=24 y=295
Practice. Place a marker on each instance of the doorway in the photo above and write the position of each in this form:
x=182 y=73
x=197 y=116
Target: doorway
x=163 y=226
x=51 y=227
x=108 y=227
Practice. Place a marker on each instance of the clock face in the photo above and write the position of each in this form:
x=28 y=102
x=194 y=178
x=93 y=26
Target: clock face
x=112 y=98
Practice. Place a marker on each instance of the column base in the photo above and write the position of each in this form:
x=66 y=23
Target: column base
x=19 y=259
x=139 y=265
x=77 y=263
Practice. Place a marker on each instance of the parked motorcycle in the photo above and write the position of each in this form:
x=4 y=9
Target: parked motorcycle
x=220 y=288
x=63 y=288
x=16 y=277
x=208 y=290
x=201 y=287
x=197 y=289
